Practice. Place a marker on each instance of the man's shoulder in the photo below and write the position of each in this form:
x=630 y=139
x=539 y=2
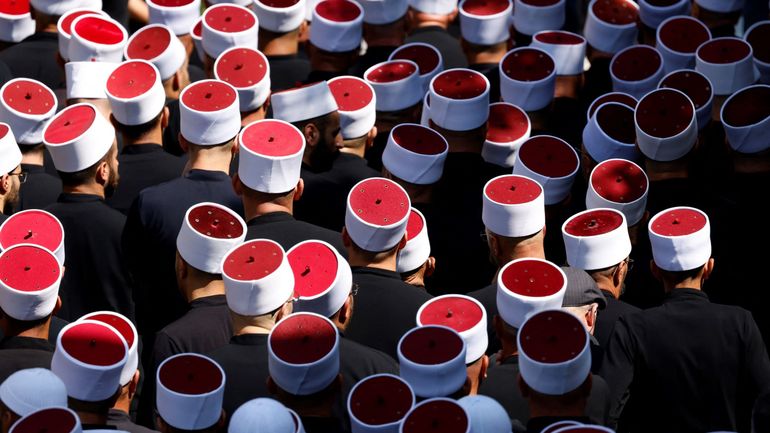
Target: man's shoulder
x=355 y=352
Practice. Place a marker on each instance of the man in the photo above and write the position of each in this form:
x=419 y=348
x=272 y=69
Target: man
x=140 y=117
x=558 y=391
x=155 y=218
x=269 y=182
x=27 y=117
x=485 y=28
x=264 y=414
x=248 y=71
x=314 y=111
x=384 y=31
x=223 y=27
x=258 y=296
x=514 y=223
x=13 y=176
x=25 y=321
x=375 y=230
x=724 y=339
x=428 y=21
x=414 y=263
x=281 y=27
x=27 y=391
x=460 y=114
x=582 y=298
x=514 y=304
x=188 y=384
x=305 y=370
x=335 y=38
x=85 y=155
x=91 y=372
x=129 y=376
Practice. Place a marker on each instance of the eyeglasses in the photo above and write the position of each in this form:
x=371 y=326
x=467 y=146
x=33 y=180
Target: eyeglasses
x=629 y=263
x=22 y=176
x=484 y=237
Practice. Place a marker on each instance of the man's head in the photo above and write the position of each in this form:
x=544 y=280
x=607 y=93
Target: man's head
x=53 y=419
x=188 y=383
x=432 y=360
x=381 y=399
x=415 y=263
x=335 y=36
x=11 y=175
x=137 y=101
x=415 y=154
x=313 y=110
x=248 y=71
x=513 y=213
x=356 y=101
x=528 y=79
x=551 y=162
x=619 y=184
x=27 y=391
x=745 y=117
x=224 y=26
x=583 y=297
x=423 y=13
x=666 y=126
x=399 y=90
x=485 y=28
x=157 y=44
x=554 y=364
x=209 y=122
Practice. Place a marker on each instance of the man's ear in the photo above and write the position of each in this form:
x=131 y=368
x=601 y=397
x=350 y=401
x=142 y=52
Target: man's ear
x=181 y=267
x=57 y=307
x=430 y=266
x=164 y=117
x=345 y=310
x=103 y=173
x=370 y=137
x=708 y=269
x=133 y=384
x=237 y=185
x=299 y=189
x=286 y=309
x=617 y=276
x=182 y=143
x=523 y=387
x=176 y=80
x=453 y=15
x=402 y=243
x=5 y=184
x=312 y=134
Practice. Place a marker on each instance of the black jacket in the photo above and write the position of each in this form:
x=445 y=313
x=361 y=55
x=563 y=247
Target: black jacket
x=606 y=319
x=385 y=309
x=281 y=227
x=448 y=45
x=35 y=58
x=143 y=166
x=40 y=190
x=96 y=277
x=287 y=71
x=19 y=353
x=695 y=365
x=122 y=422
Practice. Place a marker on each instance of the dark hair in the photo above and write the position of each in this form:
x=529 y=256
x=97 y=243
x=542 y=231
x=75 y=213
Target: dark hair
x=679 y=276
x=135 y=132
x=83 y=176
x=17 y=325
x=96 y=407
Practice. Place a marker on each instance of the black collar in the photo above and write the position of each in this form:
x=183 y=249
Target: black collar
x=362 y=270
x=677 y=295
x=249 y=340
x=69 y=197
x=137 y=149
x=207 y=175
x=26 y=343
x=429 y=29
x=209 y=301
x=271 y=217
x=32 y=168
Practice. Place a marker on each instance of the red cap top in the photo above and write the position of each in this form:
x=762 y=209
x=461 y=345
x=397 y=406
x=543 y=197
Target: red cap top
x=120 y=324
x=506 y=123
x=29 y=269
x=279 y=3
x=533 y=278
x=381 y=400
x=460 y=84
x=593 y=223
x=684 y=34
x=557 y=37
x=4 y=129
x=617 y=121
x=758 y=40
x=242 y=67
x=214 y=222
x=29 y=97
x=272 y=138
x=619 y=181
x=131 y=80
x=426 y=57
x=14 y=7
x=93 y=344
x=391 y=71
x=419 y=139
x=32 y=227
x=229 y=19
x=618 y=12
x=440 y=416
x=380 y=202
x=512 y=189
x=664 y=113
x=749 y=106
x=552 y=337
x=148 y=43
x=414 y=226
x=431 y=345
x=528 y=64
x=456 y=312
x=172 y=3
x=691 y=83
x=338 y=10
x=253 y=260
x=678 y=222
x=540 y=3
x=209 y=95
x=636 y=63
x=190 y=374
x=724 y=50
x=612 y=97
x=485 y=7
x=198 y=28
x=548 y=156
x=315 y=268
x=69 y=124
x=51 y=420
x=351 y=93
x=66 y=23
x=302 y=338
x=99 y=30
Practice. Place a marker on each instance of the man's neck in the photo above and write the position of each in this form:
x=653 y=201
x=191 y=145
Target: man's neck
x=40 y=332
x=92 y=418
x=91 y=188
x=658 y=170
x=204 y=290
x=286 y=45
x=359 y=151
x=210 y=161
x=154 y=137
x=254 y=210
x=491 y=56
x=34 y=157
x=430 y=23
x=124 y=403
x=607 y=286
x=387 y=264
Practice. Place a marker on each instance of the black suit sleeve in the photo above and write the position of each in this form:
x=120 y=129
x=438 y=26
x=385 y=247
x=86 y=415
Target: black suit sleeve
x=618 y=368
